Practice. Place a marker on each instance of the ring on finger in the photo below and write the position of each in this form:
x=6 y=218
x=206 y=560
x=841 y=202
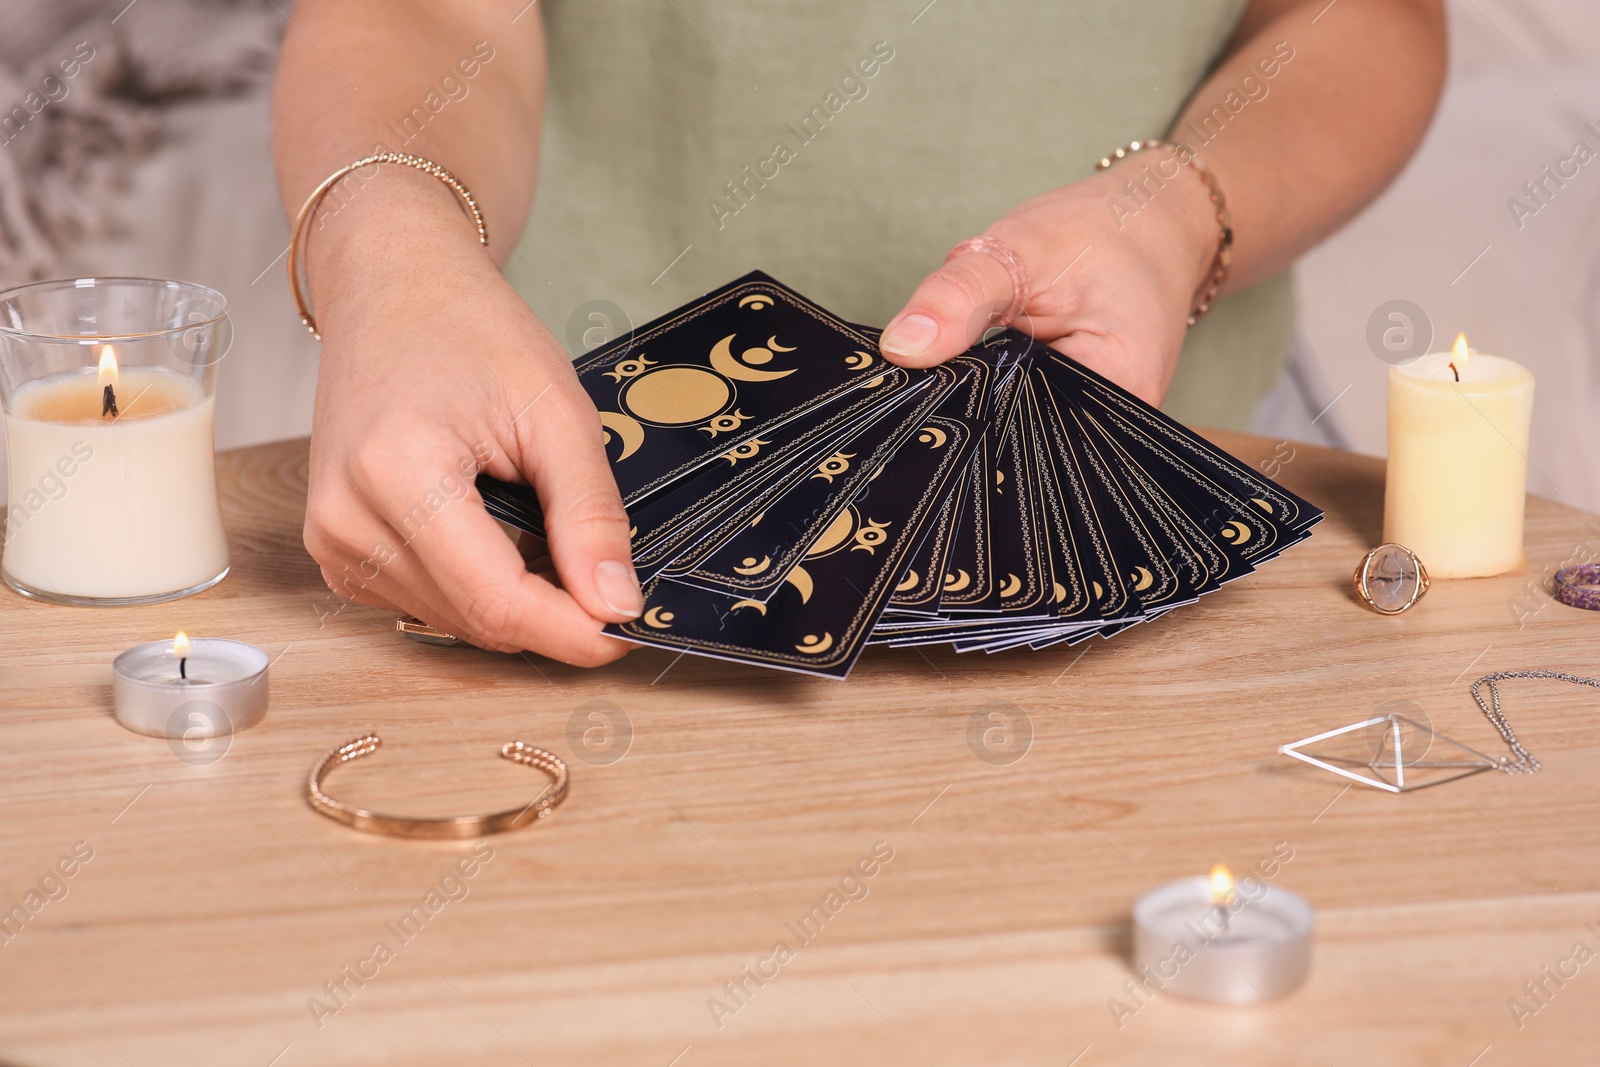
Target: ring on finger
x=1007 y=257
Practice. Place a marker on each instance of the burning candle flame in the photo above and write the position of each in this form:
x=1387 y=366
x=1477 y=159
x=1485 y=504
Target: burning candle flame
x=180 y=645
x=1221 y=885
x=108 y=367
x=1458 y=356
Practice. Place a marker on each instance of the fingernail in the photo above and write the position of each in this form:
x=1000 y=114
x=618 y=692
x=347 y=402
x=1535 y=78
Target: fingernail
x=619 y=588
x=911 y=336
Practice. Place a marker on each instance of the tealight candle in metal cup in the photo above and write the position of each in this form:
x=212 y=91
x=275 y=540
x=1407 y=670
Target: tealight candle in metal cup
x=190 y=688
x=1210 y=939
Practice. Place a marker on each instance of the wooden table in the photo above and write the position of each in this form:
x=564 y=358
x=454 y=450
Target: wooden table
x=217 y=904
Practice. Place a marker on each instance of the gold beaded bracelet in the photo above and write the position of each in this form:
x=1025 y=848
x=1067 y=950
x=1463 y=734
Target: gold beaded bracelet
x=309 y=208
x=1224 y=256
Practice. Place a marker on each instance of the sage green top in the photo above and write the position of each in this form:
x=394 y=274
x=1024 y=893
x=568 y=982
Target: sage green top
x=844 y=146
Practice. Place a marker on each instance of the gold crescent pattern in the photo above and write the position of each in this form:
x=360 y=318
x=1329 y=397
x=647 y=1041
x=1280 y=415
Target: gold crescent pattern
x=756 y=301
x=838 y=531
x=870 y=537
x=837 y=463
x=1142 y=579
x=999 y=477
x=1012 y=586
x=1098 y=591
x=772 y=343
x=723 y=362
x=628 y=431
x=757 y=520
x=933 y=437
x=1235 y=532
x=1060 y=592
x=1262 y=504
x=758 y=605
x=658 y=619
x=954 y=583
x=908 y=583
x=814 y=645
x=753 y=565
x=874 y=383
x=726 y=423
x=858 y=360
x=744 y=451
x=800 y=578
x=629 y=368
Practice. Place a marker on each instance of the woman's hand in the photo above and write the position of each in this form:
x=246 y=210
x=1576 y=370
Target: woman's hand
x=431 y=373
x=1110 y=287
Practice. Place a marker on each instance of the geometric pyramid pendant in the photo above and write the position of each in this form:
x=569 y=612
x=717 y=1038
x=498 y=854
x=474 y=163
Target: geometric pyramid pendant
x=1390 y=752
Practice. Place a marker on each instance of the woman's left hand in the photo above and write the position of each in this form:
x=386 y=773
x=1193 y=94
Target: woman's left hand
x=1109 y=286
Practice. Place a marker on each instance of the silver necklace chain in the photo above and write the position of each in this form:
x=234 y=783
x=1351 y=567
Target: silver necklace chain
x=1525 y=763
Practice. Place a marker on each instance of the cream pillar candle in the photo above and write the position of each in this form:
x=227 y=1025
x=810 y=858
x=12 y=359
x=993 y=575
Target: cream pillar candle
x=1458 y=462
x=112 y=507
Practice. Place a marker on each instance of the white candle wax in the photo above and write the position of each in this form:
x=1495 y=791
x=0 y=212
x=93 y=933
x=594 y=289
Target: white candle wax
x=1181 y=944
x=220 y=689
x=1458 y=463
x=118 y=508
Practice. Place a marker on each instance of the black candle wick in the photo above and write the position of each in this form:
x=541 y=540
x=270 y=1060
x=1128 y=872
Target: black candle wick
x=183 y=661
x=108 y=401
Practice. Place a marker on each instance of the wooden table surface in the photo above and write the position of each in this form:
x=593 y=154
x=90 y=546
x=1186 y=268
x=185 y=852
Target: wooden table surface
x=713 y=806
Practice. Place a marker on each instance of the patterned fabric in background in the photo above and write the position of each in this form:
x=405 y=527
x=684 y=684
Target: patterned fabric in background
x=81 y=92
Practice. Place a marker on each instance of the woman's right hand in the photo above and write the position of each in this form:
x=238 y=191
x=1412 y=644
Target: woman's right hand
x=434 y=369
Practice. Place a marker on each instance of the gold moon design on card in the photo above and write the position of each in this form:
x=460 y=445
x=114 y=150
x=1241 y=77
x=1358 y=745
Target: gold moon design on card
x=630 y=368
x=800 y=578
x=1236 y=532
x=628 y=431
x=835 y=535
x=1012 y=585
x=814 y=645
x=657 y=619
x=859 y=360
x=772 y=343
x=1060 y=592
x=758 y=605
x=838 y=463
x=756 y=301
x=908 y=583
x=723 y=363
x=744 y=451
x=954 y=583
x=1098 y=591
x=675 y=396
x=1142 y=579
x=870 y=536
x=754 y=566
x=1262 y=504
x=933 y=437
x=725 y=423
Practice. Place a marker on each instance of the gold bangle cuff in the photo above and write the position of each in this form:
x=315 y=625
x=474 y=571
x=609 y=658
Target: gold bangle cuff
x=456 y=826
x=297 y=239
